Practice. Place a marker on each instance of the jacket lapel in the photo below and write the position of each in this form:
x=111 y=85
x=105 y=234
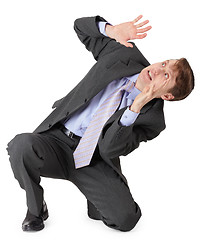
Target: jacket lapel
x=124 y=68
x=116 y=70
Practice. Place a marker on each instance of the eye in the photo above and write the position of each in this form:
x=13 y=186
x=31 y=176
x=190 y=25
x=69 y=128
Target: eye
x=166 y=75
x=163 y=64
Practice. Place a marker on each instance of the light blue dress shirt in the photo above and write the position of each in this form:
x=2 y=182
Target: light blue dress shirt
x=80 y=120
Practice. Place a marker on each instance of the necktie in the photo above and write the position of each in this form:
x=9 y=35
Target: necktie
x=86 y=147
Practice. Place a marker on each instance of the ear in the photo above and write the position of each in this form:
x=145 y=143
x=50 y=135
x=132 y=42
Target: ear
x=167 y=96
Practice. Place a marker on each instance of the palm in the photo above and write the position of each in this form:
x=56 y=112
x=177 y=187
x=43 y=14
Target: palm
x=129 y=31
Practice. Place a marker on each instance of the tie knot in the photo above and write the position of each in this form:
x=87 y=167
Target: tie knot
x=128 y=86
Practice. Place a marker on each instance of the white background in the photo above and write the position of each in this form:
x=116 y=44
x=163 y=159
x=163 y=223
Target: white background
x=41 y=60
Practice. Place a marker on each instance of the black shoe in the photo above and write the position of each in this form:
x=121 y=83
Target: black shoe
x=33 y=223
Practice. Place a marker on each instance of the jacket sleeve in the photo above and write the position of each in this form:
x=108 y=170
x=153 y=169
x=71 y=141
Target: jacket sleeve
x=117 y=140
x=87 y=31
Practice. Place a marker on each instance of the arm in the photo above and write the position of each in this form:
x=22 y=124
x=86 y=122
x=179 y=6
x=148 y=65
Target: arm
x=99 y=44
x=87 y=31
x=128 y=117
x=119 y=140
x=116 y=140
x=149 y=92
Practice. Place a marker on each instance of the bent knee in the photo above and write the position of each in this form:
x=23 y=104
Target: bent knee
x=19 y=145
x=124 y=220
x=19 y=141
x=128 y=222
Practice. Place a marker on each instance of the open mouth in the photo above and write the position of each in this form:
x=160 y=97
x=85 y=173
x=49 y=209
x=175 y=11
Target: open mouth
x=149 y=75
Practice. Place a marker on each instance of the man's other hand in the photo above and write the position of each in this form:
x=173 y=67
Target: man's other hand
x=128 y=31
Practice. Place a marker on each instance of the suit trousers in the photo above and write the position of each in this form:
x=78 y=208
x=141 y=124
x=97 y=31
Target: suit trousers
x=50 y=154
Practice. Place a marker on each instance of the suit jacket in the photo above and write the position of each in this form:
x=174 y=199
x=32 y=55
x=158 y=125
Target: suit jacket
x=114 y=61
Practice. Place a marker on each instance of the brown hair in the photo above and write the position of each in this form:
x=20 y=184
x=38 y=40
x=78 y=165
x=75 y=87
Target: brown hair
x=184 y=82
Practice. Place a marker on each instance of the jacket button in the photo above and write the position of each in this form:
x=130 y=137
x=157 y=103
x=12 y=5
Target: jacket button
x=67 y=113
x=50 y=125
x=85 y=99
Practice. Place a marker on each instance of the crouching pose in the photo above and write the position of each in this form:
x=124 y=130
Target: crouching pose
x=117 y=105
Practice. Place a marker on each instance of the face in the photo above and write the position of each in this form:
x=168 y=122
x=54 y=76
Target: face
x=157 y=73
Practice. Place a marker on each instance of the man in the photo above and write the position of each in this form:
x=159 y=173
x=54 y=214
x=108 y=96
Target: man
x=117 y=105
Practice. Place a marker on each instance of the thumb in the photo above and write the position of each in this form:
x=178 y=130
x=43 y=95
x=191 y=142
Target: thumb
x=127 y=44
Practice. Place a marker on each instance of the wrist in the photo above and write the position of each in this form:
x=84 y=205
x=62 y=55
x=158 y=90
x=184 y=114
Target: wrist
x=135 y=109
x=109 y=29
x=138 y=104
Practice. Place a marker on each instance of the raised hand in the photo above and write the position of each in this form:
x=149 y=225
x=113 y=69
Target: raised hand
x=128 y=31
x=151 y=91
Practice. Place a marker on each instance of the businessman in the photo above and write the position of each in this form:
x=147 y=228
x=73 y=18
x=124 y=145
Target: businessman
x=117 y=105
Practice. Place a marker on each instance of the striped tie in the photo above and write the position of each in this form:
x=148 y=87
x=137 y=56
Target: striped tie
x=86 y=147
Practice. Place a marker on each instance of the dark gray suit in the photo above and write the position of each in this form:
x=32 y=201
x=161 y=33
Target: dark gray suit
x=114 y=61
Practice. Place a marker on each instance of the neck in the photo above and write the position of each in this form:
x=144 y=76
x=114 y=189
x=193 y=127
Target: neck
x=138 y=85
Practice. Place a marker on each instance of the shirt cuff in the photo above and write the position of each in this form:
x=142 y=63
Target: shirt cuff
x=101 y=27
x=128 y=118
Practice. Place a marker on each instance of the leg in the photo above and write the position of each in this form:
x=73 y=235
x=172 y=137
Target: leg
x=108 y=194
x=33 y=155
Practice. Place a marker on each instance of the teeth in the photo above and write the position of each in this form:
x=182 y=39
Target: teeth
x=149 y=74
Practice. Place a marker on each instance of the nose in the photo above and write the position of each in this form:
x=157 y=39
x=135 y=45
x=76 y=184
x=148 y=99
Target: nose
x=158 y=71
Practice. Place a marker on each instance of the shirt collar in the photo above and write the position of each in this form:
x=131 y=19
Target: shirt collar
x=135 y=91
